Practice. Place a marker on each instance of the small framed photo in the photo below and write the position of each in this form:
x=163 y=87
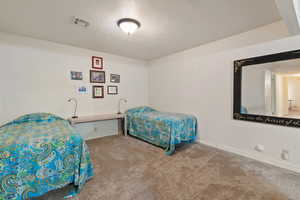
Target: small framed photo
x=97 y=62
x=112 y=90
x=98 y=91
x=97 y=76
x=82 y=90
x=76 y=75
x=114 y=78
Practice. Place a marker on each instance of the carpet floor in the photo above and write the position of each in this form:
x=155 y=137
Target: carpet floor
x=129 y=169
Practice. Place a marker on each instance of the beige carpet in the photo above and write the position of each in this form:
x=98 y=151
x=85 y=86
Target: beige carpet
x=129 y=169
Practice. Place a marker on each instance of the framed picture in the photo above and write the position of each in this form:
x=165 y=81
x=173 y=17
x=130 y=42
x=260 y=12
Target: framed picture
x=97 y=76
x=76 y=75
x=97 y=62
x=98 y=91
x=114 y=78
x=112 y=89
x=82 y=90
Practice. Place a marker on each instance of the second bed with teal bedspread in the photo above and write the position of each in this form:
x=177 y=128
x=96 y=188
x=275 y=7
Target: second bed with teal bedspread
x=161 y=128
x=38 y=153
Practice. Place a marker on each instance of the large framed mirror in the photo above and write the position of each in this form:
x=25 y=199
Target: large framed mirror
x=267 y=89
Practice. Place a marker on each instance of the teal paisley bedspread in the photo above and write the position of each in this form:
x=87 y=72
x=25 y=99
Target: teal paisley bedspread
x=38 y=153
x=161 y=128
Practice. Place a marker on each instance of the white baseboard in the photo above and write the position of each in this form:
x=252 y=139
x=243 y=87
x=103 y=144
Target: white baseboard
x=92 y=137
x=261 y=158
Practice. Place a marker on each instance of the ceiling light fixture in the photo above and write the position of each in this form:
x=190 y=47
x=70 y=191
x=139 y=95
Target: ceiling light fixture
x=129 y=25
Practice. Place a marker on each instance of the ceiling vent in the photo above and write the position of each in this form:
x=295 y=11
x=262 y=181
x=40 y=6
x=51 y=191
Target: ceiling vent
x=81 y=22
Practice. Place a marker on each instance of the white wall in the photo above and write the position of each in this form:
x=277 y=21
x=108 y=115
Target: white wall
x=200 y=81
x=35 y=77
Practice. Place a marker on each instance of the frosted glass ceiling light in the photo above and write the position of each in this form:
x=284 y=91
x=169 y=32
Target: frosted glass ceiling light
x=129 y=25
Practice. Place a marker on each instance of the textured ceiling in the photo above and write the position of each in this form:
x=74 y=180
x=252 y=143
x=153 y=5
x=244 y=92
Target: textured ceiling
x=168 y=26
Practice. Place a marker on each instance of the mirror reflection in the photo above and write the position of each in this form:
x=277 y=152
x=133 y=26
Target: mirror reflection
x=272 y=89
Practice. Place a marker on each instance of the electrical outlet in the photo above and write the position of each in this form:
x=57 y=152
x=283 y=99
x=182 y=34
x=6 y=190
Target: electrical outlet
x=285 y=155
x=259 y=148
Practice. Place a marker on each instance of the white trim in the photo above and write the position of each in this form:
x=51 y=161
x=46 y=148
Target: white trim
x=99 y=136
x=261 y=158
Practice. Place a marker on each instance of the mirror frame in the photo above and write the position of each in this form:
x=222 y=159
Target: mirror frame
x=237 y=89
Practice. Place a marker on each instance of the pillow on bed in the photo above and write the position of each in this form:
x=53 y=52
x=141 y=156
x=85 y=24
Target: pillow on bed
x=141 y=109
x=37 y=117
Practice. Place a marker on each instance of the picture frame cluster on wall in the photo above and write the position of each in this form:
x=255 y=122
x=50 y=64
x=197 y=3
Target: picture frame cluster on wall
x=97 y=76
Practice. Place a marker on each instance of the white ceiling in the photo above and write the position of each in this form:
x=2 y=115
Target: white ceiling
x=168 y=26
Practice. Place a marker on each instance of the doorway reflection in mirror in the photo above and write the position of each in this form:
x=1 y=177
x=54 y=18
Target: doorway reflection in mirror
x=272 y=89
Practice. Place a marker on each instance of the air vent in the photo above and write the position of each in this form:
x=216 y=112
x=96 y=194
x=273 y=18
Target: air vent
x=81 y=22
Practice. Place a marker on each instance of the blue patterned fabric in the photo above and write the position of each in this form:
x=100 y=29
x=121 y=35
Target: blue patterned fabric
x=161 y=128
x=38 y=153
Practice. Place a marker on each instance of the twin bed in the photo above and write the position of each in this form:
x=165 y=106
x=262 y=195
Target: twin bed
x=42 y=152
x=163 y=129
x=39 y=153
